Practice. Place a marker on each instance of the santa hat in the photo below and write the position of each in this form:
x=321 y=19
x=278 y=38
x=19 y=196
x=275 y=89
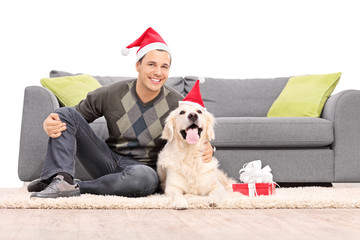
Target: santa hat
x=148 y=41
x=194 y=96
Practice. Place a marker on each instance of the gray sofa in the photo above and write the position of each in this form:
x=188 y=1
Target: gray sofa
x=299 y=150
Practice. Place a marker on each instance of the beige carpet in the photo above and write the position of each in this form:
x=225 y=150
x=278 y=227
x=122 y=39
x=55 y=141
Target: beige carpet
x=303 y=197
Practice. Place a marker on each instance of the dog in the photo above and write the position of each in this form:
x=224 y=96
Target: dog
x=180 y=166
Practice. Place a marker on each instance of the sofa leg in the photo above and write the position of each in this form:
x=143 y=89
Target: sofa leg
x=346 y=185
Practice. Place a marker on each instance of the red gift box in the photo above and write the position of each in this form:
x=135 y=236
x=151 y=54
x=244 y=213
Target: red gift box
x=256 y=189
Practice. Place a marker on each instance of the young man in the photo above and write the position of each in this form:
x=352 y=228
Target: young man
x=135 y=112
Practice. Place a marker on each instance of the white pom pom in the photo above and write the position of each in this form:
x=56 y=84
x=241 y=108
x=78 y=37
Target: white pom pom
x=201 y=79
x=125 y=51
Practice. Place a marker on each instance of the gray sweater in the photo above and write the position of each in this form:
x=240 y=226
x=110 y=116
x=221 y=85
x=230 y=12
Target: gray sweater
x=134 y=127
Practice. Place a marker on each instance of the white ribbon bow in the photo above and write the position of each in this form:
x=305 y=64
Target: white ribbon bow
x=252 y=173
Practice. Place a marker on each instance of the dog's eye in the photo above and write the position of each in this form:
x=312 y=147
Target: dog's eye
x=199 y=111
x=182 y=112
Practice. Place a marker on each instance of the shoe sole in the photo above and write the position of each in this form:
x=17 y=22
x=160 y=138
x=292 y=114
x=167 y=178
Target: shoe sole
x=37 y=186
x=72 y=193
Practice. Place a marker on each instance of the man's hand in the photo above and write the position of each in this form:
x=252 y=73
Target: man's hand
x=207 y=152
x=53 y=126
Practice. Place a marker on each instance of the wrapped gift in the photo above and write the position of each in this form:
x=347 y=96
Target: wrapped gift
x=254 y=189
x=256 y=180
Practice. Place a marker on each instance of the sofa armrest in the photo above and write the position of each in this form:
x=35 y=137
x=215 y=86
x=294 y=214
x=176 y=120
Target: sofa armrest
x=343 y=109
x=39 y=102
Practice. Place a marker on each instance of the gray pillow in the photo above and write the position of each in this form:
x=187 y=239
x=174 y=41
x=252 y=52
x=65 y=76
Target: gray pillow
x=238 y=97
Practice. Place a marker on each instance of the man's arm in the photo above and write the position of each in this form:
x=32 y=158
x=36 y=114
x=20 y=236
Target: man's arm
x=92 y=106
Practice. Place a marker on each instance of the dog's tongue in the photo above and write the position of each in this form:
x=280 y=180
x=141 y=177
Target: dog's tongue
x=192 y=135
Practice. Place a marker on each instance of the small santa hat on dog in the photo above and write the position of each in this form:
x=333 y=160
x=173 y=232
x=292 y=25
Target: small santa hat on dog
x=148 y=41
x=194 y=96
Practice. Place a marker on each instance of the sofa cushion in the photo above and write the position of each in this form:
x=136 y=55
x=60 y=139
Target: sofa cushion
x=176 y=83
x=238 y=97
x=304 y=96
x=70 y=90
x=273 y=132
x=100 y=128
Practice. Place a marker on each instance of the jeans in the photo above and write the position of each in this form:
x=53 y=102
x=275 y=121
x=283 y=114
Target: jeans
x=113 y=173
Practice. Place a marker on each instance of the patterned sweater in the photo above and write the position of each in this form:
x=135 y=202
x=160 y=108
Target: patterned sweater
x=134 y=127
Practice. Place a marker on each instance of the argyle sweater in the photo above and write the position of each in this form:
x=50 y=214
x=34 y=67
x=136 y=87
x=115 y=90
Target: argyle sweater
x=134 y=127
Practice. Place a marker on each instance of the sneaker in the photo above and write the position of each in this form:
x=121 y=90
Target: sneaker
x=58 y=188
x=37 y=185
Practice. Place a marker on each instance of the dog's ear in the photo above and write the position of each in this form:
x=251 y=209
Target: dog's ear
x=210 y=133
x=168 y=133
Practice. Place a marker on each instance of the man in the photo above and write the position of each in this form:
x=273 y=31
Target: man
x=135 y=112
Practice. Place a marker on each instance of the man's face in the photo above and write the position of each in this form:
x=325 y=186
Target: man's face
x=153 y=72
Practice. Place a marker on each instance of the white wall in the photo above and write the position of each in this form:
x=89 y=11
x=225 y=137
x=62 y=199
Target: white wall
x=240 y=39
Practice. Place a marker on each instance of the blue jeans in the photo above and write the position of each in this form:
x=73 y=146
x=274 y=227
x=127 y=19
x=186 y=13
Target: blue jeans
x=113 y=173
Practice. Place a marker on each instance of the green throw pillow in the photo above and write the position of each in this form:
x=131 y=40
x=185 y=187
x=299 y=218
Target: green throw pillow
x=70 y=90
x=304 y=96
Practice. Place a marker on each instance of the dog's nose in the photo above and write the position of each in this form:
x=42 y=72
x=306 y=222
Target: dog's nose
x=193 y=116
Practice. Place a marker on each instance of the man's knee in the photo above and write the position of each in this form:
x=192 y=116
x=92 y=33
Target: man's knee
x=144 y=180
x=67 y=113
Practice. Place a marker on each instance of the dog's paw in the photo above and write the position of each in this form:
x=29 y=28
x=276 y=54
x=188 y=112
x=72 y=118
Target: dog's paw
x=180 y=203
x=212 y=204
x=216 y=196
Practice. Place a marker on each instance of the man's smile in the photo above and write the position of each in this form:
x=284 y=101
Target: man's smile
x=155 y=80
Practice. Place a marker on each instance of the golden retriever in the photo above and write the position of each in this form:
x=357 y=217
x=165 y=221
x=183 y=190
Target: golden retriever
x=180 y=166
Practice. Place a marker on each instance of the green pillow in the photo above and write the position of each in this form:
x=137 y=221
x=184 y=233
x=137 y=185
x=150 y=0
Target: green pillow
x=70 y=90
x=304 y=96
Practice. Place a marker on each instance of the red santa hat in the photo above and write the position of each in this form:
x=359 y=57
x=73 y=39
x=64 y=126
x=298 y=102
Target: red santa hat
x=194 y=96
x=148 y=41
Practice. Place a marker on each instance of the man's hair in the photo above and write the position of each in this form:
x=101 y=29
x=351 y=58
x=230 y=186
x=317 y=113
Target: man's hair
x=160 y=50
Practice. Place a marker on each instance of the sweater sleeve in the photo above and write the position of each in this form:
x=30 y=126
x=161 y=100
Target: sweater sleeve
x=92 y=106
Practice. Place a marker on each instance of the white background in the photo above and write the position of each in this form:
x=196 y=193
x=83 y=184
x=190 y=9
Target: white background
x=228 y=39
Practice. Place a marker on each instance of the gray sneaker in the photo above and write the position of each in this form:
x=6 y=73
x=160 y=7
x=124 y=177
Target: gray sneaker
x=58 y=188
x=37 y=185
